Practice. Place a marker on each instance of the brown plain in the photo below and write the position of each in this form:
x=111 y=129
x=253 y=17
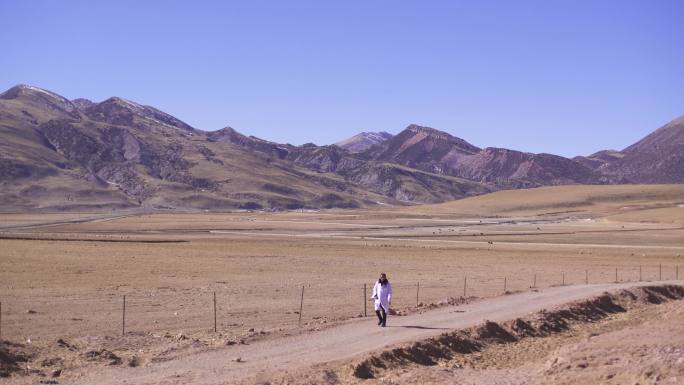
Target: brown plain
x=65 y=275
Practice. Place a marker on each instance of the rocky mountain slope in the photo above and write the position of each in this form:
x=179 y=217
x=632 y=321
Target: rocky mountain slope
x=657 y=158
x=61 y=154
x=438 y=152
x=115 y=154
x=57 y=154
x=598 y=159
x=402 y=184
x=424 y=148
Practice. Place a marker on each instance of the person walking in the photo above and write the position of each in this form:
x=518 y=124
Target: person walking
x=382 y=294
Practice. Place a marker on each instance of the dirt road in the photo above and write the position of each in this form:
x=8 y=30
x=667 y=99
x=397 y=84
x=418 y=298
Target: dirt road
x=447 y=241
x=338 y=343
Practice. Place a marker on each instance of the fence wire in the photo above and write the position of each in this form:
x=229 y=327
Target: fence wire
x=268 y=306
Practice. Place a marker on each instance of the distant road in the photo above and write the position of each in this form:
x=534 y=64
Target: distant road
x=94 y=218
x=340 y=342
x=414 y=239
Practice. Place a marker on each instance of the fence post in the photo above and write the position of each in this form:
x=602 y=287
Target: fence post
x=677 y=272
x=534 y=281
x=640 y=274
x=123 y=318
x=465 y=284
x=563 y=279
x=365 y=301
x=505 y=284
x=616 y=275
x=586 y=277
x=417 y=291
x=214 y=312
x=660 y=272
x=301 y=307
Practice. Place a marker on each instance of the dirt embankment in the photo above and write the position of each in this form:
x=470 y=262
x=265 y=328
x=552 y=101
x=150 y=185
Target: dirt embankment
x=490 y=352
x=544 y=323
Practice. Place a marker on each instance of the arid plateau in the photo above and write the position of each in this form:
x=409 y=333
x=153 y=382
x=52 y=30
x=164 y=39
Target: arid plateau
x=205 y=291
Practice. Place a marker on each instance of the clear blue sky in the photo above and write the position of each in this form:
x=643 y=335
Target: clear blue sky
x=566 y=77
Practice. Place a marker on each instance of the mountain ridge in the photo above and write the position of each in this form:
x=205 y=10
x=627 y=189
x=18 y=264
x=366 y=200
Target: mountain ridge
x=119 y=153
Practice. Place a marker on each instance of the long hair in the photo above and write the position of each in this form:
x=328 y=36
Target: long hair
x=383 y=279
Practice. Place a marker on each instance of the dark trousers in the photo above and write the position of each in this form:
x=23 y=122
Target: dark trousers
x=382 y=316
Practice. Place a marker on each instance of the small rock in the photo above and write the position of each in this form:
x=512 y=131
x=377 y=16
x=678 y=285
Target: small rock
x=63 y=344
x=250 y=330
x=51 y=361
x=103 y=355
x=237 y=359
x=29 y=311
x=133 y=362
x=56 y=373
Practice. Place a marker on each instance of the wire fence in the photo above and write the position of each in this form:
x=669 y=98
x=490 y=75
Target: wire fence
x=269 y=306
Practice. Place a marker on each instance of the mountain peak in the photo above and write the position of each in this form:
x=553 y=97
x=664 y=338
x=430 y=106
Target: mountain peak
x=226 y=134
x=416 y=128
x=25 y=88
x=424 y=148
x=82 y=103
x=117 y=110
x=38 y=95
x=363 y=141
x=125 y=103
x=415 y=133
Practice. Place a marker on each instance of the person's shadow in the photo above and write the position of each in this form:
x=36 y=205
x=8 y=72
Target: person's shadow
x=417 y=327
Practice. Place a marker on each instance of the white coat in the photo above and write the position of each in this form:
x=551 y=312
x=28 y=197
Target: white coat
x=382 y=294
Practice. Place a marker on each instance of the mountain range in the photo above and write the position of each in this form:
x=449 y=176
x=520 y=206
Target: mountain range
x=61 y=154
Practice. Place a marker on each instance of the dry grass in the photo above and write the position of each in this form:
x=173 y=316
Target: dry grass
x=257 y=262
x=564 y=200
